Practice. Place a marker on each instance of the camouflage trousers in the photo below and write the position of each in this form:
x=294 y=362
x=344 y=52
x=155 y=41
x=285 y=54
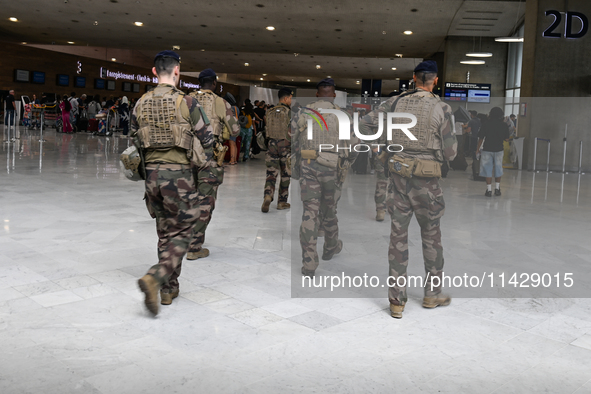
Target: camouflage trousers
x=424 y=197
x=276 y=159
x=318 y=190
x=208 y=181
x=381 y=186
x=172 y=200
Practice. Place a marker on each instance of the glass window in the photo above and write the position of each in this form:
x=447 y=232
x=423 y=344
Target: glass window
x=513 y=80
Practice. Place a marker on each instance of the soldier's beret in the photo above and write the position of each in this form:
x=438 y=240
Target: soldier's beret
x=208 y=72
x=428 y=66
x=171 y=54
x=326 y=82
x=285 y=92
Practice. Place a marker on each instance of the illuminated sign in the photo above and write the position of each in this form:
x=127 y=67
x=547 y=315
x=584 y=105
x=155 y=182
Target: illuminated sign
x=467 y=92
x=550 y=32
x=106 y=73
x=78 y=67
x=188 y=85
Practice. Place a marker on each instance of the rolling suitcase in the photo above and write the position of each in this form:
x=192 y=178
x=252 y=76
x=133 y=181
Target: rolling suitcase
x=92 y=125
x=82 y=124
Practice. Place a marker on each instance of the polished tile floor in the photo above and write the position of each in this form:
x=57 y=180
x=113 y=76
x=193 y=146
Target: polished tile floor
x=76 y=236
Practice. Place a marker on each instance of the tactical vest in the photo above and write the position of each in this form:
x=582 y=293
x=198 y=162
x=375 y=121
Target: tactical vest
x=161 y=124
x=207 y=101
x=321 y=133
x=425 y=108
x=278 y=122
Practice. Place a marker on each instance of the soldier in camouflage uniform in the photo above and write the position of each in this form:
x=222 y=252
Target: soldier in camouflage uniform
x=278 y=152
x=414 y=183
x=317 y=172
x=166 y=124
x=224 y=125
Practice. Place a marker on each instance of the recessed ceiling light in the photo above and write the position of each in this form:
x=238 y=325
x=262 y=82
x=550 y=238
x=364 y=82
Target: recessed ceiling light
x=264 y=75
x=473 y=62
x=479 y=54
x=509 y=39
x=271 y=28
x=246 y=64
x=328 y=76
x=308 y=80
x=71 y=42
x=399 y=55
x=24 y=43
x=357 y=82
x=13 y=19
x=176 y=48
x=95 y=23
x=138 y=23
x=203 y=50
x=113 y=59
x=393 y=68
x=398 y=79
x=318 y=66
x=408 y=32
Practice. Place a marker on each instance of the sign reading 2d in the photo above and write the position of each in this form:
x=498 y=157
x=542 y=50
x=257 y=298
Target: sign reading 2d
x=571 y=16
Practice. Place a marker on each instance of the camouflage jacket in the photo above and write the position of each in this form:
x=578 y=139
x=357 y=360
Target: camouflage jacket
x=223 y=111
x=299 y=127
x=443 y=120
x=191 y=111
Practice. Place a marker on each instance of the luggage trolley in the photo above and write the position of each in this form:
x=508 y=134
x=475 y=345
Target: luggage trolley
x=36 y=118
x=113 y=120
x=49 y=114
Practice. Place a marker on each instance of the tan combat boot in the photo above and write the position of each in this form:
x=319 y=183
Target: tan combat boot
x=396 y=311
x=328 y=255
x=166 y=298
x=149 y=286
x=380 y=215
x=266 y=203
x=283 y=205
x=198 y=255
x=435 y=301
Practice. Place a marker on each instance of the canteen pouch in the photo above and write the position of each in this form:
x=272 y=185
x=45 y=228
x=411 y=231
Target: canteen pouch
x=328 y=159
x=401 y=166
x=219 y=153
x=427 y=169
x=309 y=155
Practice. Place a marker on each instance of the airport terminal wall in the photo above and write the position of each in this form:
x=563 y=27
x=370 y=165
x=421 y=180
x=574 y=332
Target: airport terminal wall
x=22 y=57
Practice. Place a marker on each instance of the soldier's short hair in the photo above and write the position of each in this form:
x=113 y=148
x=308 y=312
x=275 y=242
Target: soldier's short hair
x=165 y=64
x=284 y=92
x=425 y=77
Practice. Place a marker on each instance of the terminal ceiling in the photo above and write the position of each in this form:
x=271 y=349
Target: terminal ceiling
x=348 y=39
